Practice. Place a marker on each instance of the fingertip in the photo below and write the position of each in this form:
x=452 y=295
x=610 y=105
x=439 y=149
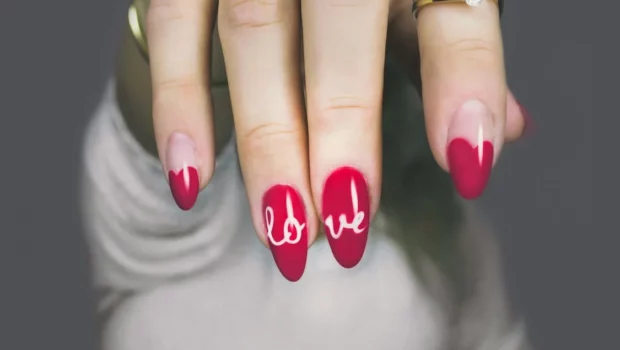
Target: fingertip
x=286 y=229
x=187 y=175
x=519 y=122
x=528 y=122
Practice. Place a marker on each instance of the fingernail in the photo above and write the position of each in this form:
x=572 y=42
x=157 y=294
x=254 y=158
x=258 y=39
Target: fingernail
x=528 y=129
x=470 y=148
x=346 y=215
x=287 y=232
x=182 y=170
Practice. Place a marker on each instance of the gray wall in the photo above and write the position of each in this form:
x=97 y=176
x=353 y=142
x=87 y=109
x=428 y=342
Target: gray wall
x=53 y=63
x=541 y=194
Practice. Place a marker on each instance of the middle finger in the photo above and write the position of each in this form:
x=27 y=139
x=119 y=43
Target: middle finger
x=344 y=52
x=261 y=51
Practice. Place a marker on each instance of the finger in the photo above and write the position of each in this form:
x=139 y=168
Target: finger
x=402 y=41
x=261 y=51
x=518 y=120
x=179 y=38
x=463 y=89
x=402 y=44
x=344 y=51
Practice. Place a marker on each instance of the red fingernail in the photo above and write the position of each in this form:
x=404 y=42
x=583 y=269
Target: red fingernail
x=182 y=170
x=346 y=215
x=470 y=150
x=470 y=166
x=286 y=229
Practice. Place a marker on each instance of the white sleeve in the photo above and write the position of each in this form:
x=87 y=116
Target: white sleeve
x=137 y=234
x=487 y=321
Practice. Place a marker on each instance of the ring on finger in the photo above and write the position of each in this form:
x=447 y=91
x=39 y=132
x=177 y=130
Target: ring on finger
x=419 y=4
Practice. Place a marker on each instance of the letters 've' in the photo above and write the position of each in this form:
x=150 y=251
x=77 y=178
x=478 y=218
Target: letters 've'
x=358 y=217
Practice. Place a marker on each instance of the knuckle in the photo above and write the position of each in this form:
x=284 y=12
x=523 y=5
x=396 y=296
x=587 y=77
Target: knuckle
x=163 y=11
x=253 y=13
x=352 y=3
x=478 y=49
x=177 y=92
x=346 y=103
x=178 y=86
x=269 y=139
x=343 y=111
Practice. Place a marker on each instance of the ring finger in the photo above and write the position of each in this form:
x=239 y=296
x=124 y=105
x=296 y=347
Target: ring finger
x=344 y=52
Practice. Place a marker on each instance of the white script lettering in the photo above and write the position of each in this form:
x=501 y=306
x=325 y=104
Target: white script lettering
x=290 y=221
x=342 y=219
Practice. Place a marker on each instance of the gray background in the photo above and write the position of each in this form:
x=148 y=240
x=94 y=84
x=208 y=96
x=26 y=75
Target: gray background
x=56 y=55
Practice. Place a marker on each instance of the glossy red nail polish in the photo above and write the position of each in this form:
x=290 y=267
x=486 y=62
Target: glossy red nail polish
x=284 y=217
x=470 y=166
x=346 y=215
x=184 y=185
x=182 y=170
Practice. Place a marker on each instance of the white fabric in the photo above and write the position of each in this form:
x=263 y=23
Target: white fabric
x=201 y=280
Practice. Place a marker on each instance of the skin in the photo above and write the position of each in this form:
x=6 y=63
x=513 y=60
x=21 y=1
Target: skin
x=452 y=55
x=135 y=91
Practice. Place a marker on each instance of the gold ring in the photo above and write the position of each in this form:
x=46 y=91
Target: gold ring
x=419 y=4
x=137 y=32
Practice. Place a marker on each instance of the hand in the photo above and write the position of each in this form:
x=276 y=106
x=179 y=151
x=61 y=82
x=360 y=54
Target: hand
x=311 y=143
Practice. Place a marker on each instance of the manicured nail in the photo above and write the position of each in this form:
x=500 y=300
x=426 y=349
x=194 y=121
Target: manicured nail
x=182 y=170
x=287 y=231
x=470 y=148
x=346 y=215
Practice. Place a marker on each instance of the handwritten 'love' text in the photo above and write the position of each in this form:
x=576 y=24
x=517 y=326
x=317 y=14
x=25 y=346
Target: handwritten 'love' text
x=287 y=236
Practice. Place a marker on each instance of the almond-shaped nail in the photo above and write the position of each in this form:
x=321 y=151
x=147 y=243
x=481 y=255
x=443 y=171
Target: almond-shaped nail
x=470 y=148
x=182 y=170
x=346 y=215
x=286 y=229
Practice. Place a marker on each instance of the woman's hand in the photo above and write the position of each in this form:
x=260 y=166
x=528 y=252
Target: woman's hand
x=311 y=143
